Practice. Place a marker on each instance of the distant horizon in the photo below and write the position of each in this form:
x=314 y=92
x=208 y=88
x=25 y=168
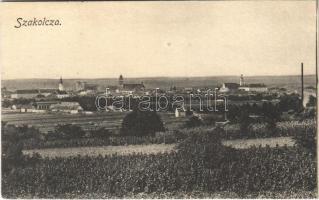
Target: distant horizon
x=146 y=77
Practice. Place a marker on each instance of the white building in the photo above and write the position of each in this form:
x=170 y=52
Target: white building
x=67 y=107
x=180 y=113
x=254 y=88
x=62 y=94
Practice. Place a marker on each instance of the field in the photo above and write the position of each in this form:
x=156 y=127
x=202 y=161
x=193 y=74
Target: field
x=271 y=142
x=105 y=150
x=151 y=148
x=110 y=120
x=199 y=166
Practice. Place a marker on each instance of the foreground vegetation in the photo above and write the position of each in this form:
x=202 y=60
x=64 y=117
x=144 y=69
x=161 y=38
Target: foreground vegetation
x=201 y=164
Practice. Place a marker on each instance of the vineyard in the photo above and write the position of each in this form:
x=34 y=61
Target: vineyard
x=201 y=164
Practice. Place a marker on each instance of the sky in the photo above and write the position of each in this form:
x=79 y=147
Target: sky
x=149 y=39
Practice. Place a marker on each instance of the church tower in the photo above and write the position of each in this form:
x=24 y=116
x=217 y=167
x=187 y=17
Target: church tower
x=61 y=88
x=241 y=80
x=121 y=80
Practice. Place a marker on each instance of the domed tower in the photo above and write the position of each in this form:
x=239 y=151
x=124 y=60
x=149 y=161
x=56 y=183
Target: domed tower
x=61 y=88
x=121 y=80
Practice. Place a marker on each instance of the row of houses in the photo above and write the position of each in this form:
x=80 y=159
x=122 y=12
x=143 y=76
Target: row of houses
x=242 y=87
x=52 y=106
x=235 y=87
x=39 y=93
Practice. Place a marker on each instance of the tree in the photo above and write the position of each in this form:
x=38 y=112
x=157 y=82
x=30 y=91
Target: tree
x=193 y=121
x=312 y=101
x=11 y=147
x=141 y=123
x=290 y=102
x=69 y=131
x=244 y=122
x=272 y=115
x=203 y=147
x=86 y=102
x=233 y=112
x=100 y=133
x=308 y=140
x=6 y=103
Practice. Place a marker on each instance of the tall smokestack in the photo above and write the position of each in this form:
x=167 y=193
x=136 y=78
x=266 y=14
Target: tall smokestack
x=301 y=83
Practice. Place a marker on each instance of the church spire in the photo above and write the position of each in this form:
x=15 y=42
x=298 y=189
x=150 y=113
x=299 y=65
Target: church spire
x=61 y=87
x=121 y=80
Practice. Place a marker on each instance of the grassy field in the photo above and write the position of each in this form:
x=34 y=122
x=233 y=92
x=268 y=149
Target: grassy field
x=272 y=142
x=110 y=120
x=150 y=148
x=105 y=150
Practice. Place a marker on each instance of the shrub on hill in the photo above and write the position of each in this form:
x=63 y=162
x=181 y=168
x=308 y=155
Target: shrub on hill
x=100 y=133
x=67 y=131
x=205 y=147
x=141 y=123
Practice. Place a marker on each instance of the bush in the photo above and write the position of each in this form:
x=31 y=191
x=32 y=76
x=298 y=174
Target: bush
x=244 y=122
x=205 y=147
x=312 y=101
x=100 y=133
x=307 y=139
x=67 y=131
x=289 y=102
x=193 y=121
x=141 y=123
x=12 y=142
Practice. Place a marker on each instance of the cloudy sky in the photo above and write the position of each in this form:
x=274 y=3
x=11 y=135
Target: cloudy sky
x=145 y=39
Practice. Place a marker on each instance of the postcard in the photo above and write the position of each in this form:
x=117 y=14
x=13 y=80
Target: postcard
x=159 y=99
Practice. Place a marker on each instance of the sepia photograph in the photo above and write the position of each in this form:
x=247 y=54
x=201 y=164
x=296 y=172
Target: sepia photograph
x=159 y=100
